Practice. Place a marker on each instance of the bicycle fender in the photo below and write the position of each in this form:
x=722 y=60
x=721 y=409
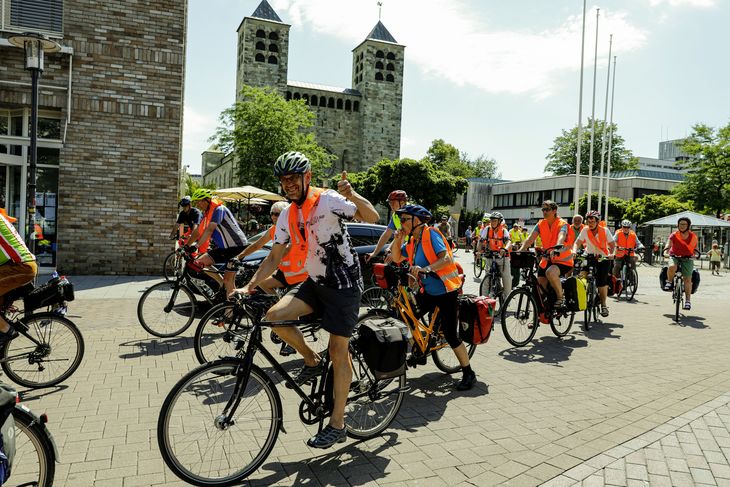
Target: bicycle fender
x=37 y=420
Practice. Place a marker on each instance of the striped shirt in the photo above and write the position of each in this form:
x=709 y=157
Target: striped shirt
x=12 y=247
x=227 y=234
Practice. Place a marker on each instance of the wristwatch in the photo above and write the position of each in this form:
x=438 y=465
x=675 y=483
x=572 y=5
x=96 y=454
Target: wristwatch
x=427 y=269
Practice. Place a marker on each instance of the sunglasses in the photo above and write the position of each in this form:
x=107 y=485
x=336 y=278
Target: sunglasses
x=406 y=218
x=274 y=214
x=544 y=210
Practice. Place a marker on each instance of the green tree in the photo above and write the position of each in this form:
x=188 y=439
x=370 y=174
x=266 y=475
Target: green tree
x=263 y=126
x=422 y=180
x=616 y=207
x=652 y=206
x=562 y=157
x=448 y=158
x=707 y=182
x=191 y=185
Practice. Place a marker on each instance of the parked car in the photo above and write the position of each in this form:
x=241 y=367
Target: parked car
x=364 y=237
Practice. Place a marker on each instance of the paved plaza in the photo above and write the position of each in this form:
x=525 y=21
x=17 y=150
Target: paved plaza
x=638 y=400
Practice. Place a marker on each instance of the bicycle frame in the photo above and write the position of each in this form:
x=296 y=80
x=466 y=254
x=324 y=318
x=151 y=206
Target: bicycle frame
x=421 y=333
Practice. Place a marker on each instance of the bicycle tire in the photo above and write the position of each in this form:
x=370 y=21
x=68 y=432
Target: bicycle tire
x=525 y=316
x=589 y=313
x=376 y=298
x=161 y=323
x=487 y=288
x=203 y=381
x=443 y=364
x=560 y=329
x=678 y=295
x=31 y=436
x=169 y=267
x=36 y=369
x=633 y=285
x=220 y=332
x=370 y=414
x=478 y=266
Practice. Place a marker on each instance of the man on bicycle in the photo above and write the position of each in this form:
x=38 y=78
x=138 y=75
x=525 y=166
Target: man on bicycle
x=498 y=240
x=574 y=230
x=600 y=247
x=17 y=268
x=320 y=244
x=552 y=231
x=396 y=200
x=681 y=246
x=188 y=217
x=625 y=239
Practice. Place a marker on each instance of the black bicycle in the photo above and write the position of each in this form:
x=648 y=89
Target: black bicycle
x=585 y=265
x=174 y=262
x=221 y=421
x=491 y=285
x=678 y=285
x=629 y=276
x=36 y=453
x=168 y=308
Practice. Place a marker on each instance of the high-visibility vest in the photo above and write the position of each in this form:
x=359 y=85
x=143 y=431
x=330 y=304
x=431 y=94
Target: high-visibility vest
x=626 y=241
x=205 y=221
x=449 y=274
x=686 y=248
x=599 y=241
x=549 y=236
x=515 y=235
x=573 y=234
x=496 y=239
x=293 y=266
x=291 y=279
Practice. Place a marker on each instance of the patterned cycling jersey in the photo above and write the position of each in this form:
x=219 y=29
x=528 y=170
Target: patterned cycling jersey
x=12 y=247
x=228 y=233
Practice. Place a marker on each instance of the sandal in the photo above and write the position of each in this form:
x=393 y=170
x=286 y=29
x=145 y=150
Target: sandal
x=604 y=311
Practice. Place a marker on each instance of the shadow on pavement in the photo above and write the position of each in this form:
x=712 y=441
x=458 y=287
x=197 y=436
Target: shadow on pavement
x=35 y=394
x=688 y=321
x=601 y=331
x=548 y=350
x=155 y=346
x=331 y=468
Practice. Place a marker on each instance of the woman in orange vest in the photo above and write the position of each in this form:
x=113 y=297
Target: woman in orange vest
x=600 y=246
x=682 y=243
x=428 y=253
x=625 y=238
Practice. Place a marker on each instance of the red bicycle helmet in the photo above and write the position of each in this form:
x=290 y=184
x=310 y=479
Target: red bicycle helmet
x=398 y=195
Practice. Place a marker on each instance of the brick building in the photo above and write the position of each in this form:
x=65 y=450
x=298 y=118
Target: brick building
x=110 y=130
x=360 y=125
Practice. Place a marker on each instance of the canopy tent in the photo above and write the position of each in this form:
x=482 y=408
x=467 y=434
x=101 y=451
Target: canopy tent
x=698 y=221
x=247 y=193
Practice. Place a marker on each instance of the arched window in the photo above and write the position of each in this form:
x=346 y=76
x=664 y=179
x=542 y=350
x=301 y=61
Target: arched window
x=323 y=102
x=273 y=60
x=297 y=96
x=260 y=58
x=378 y=76
x=261 y=33
x=378 y=65
x=356 y=106
x=390 y=78
x=379 y=54
x=313 y=101
x=331 y=103
x=288 y=95
x=390 y=67
x=273 y=48
x=348 y=105
x=260 y=46
x=305 y=97
x=339 y=103
x=390 y=56
x=274 y=36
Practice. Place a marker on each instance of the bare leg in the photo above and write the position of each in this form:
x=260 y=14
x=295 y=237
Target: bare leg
x=462 y=355
x=687 y=288
x=291 y=308
x=603 y=294
x=269 y=285
x=553 y=276
x=340 y=356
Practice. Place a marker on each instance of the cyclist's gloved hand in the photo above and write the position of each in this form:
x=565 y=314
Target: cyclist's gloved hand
x=191 y=248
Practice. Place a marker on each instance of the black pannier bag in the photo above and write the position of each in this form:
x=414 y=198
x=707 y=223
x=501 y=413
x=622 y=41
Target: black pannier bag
x=55 y=292
x=663 y=277
x=695 y=280
x=383 y=343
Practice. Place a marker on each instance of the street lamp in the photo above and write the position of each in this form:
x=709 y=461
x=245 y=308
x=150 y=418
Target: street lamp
x=35 y=45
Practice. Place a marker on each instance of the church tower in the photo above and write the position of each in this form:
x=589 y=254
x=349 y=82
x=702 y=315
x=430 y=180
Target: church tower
x=377 y=73
x=263 y=50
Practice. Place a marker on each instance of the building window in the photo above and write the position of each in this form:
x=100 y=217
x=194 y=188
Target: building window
x=273 y=60
x=273 y=48
x=297 y=96
x=305 y=97
x=356 y=106
x=390 y=56
x=339 y=103
x=274 y=36
x=260 y=58
x=288 y=95
x=261 y=33
x=379 y=54
x=348 y=105
x=331 y=103
x=36 y=15
x=390 y=67
x=378 y=65
x=313 y=101
x=389 y=77
x=378 y=76
x=322 y=101
x=260 y=46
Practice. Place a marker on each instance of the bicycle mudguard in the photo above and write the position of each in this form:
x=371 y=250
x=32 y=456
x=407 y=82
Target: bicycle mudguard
x=42 y=420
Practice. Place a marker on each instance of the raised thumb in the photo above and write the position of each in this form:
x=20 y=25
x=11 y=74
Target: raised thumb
x=344 y=175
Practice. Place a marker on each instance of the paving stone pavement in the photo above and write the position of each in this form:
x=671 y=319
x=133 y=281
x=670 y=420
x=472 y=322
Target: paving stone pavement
x=552 y=412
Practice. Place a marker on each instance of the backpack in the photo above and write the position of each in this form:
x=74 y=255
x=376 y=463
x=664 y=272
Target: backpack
x=383 y=343
x=576 y=295
x=476 y=317
x=615 y=285
x=8 y=398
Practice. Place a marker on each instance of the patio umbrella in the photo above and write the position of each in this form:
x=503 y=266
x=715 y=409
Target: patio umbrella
x=249 y=194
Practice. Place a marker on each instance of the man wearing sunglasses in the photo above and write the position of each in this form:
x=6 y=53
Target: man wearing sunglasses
x=553 y=231
x=396 y=200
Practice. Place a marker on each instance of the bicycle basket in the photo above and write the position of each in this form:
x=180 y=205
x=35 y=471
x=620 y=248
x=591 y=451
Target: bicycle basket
x=385 y=276
x=52 y=293
x=522 y=260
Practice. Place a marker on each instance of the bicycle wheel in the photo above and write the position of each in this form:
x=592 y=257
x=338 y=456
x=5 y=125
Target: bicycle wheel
x=166 y=309
x=478 y=266
x=371 y=405
x=561 y=324
x=46 y=364
x=172 y=266
x=678 y=297
x=35 y=458
x=445 y=359
x=519 y=317
x=221 y=332
x=195 y=444
x=376 y=298
x=589 y=314
x=491 y=286
x=631 y=284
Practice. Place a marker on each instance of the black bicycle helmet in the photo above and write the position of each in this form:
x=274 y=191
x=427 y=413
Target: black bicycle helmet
x=292 y=163
x=416 y=210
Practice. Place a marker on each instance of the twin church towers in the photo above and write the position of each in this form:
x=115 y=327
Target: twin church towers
x=360 y=125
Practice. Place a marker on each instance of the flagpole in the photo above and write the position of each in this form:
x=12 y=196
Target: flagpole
x=576 y=192
x=605 y=126
x=610 y=137
x=593 y=117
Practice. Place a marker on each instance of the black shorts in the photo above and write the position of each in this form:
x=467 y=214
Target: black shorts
x=338 y=307
x=221 y=256
x=601 y=270
x=564 y=269
x=279 y=276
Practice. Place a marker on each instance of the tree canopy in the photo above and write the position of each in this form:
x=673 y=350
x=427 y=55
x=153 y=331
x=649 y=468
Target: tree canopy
x=707 y=182
x=616 y=207
x=261 y=127
x=191 y=185
x=448 y=158
x=652 y=206
x=562 y=156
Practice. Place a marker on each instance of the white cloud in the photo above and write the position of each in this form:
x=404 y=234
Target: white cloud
x=447 y=40
x=678 y=3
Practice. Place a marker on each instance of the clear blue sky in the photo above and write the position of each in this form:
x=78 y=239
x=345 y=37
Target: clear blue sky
x=493 y=78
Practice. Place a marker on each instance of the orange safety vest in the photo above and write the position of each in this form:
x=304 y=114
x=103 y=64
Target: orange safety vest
x=627 y=241
x=292 y=279
x=549 y=237
x=449 y=274
x=686 y=248
x=293 y=266
x=214 y=203
x=496 y=242
x=600 y=241
x=572 y=235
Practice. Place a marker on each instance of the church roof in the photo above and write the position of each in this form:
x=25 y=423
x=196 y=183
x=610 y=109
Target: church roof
x=380 y=33
x=266 y=12
x=315 y=86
